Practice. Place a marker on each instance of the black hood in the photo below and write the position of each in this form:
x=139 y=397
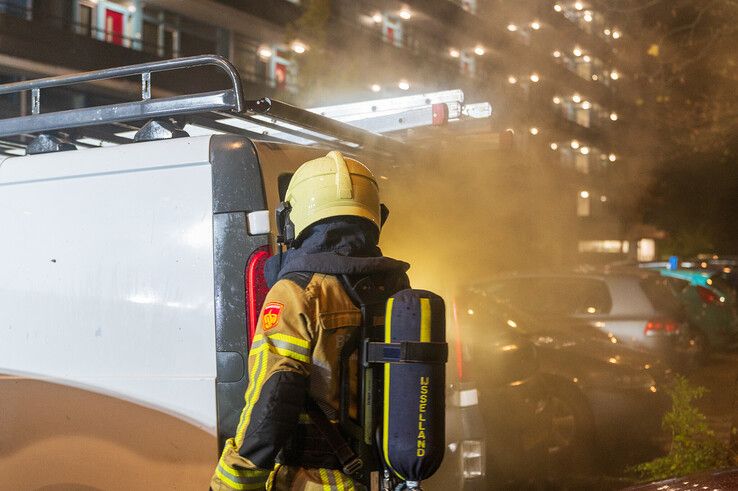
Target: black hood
x=339 y=245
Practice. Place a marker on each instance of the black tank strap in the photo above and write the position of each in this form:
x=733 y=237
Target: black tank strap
x=350 y=462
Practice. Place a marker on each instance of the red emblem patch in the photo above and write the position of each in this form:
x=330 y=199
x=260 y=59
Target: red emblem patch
x=270 y=315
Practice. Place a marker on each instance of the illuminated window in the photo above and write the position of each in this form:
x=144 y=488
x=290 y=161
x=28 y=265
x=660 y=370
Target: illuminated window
x=467 y=62
x=469 y=5
x=392 y=30
x=584 y=207
x=604 y=246
x=646 y=250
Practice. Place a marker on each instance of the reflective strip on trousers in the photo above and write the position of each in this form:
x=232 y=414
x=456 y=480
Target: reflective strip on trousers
x=242 y=479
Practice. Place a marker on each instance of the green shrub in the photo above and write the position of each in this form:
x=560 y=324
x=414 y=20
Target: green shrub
x=694 y=446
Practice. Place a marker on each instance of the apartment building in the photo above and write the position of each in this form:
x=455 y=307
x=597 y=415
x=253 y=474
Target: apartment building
x=562 y=75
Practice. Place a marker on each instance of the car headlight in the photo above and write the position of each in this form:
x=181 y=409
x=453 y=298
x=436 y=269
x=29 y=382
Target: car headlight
x=472 y=458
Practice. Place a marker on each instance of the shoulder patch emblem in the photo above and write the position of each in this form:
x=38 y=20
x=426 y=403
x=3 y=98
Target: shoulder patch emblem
x=270 y=317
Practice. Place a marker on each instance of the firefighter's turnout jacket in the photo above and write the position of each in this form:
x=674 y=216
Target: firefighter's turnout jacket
x=307 y=317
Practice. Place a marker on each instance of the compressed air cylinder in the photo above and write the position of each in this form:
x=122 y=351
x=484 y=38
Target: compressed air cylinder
x=413 y=423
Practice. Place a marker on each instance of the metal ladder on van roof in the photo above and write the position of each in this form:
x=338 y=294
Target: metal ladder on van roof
x=350 y=127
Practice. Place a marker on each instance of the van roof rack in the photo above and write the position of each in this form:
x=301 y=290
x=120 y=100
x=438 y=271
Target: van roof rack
x=352 y=127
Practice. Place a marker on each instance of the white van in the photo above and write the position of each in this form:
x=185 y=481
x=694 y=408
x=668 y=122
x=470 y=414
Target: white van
x=131 y=278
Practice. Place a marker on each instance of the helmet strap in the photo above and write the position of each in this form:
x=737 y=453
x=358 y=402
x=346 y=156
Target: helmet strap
x=285 y=227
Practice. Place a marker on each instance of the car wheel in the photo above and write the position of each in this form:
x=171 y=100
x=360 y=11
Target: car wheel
x=570 y=443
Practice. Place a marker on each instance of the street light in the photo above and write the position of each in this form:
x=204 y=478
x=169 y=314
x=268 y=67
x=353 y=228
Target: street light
x=377 y=17
x=404 y=85
x=558 y=7
x=616 y=34
x=554 y=146
x=614 y=75
x=577 y=51
x=574 y=144
x=534 y=77
x=454 y=53
x=405 y=13
x=587 y=58
x=578 y=5
x=557 y=54
x=376 y=87
x=584 y=194
x=535 y=25
x=612 y=157
x=479 y=50
x=512 y=27
x=298 y=47
x=613 y=116
x=512 y=80
x=576 y=98
x=584 y=150
x=586 y=105
x=264 y=52
x=557 y=100
x=588 y=17
x=534 y=131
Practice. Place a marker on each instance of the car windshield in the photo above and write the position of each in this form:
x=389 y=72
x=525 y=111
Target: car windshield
x=554 y=296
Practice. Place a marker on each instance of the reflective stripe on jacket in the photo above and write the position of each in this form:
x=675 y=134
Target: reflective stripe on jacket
x=295 y=352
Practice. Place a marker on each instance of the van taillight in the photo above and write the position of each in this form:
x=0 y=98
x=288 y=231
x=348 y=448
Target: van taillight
x=256 y=288
x=666 y=327
x=707 y=296
x=457 y=344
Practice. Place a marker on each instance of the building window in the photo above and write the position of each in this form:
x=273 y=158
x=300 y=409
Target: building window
x=469 y=5
x=467 y=62
x=17 y=8
x=582 y=163
x=583 y=204
x=169 y=42
x=392 y=30
x=86 y=18
x=646 y=250
x=110 y=22
x=281 y=70
x=604 y=246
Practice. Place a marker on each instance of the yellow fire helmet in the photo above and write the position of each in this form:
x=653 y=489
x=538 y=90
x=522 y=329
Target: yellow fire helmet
x=332 y=186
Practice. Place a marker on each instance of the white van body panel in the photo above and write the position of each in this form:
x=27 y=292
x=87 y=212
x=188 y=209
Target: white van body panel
x=83 y=303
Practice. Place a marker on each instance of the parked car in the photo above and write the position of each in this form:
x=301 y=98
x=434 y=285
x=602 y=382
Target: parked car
x=594 y=383
x=638 y=308
x=710 y=305
x=503 y=374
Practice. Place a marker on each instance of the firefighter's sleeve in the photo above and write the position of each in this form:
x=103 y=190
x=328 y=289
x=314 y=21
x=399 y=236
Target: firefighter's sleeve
x=279 y=366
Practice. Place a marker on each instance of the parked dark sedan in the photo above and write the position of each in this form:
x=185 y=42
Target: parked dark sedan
x=594 y=383
x=509 y=393
x=638 y=308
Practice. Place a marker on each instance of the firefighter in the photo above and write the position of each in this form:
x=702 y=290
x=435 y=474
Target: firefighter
x=332 y=218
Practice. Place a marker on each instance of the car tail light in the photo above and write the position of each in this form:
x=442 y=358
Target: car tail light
x=256 y=288
x=707 y=295
x=472 y=458
x=661 y=327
